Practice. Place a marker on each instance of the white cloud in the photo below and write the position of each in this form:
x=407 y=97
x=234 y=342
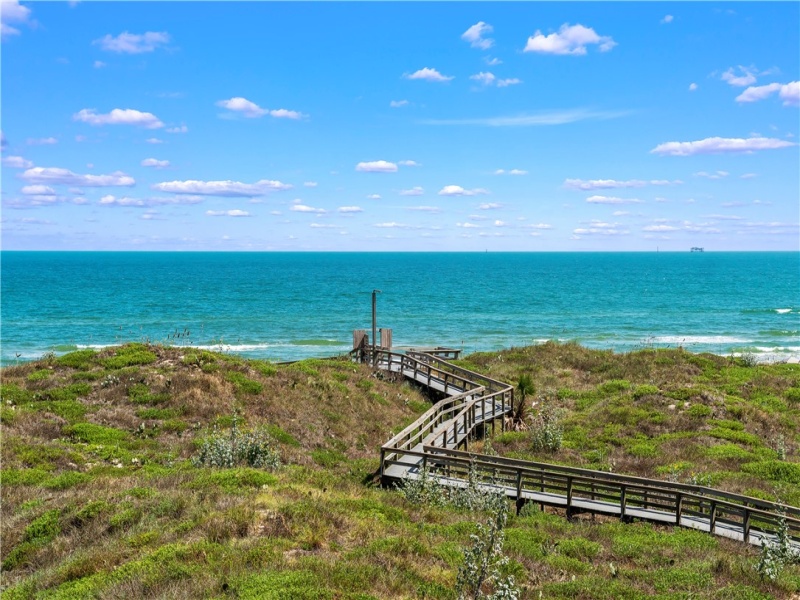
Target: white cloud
x=692 y=87
x=303 y=208
x=489 y=206
x=282 y=113
x=716 y=145
x=38 y=190
x=243 y=105
x=55 y=175
x=155 y=163
x=391 y=225
x=556 y=117
x=119 y=116
x=714 y=175
x=570 y=39
x=11 y=11
x=468 y=225
x=487 y=79
x=789 y=93
x=377 y=166
x=180 y=129
x=457 y=190
x=228 y=213
x=415 y=191
x=133 y=43
x=374 y=196
x=350 y=209
x=153 y=140
x=510 y=172
x=409 y=163
x=724 y=217
x=492 y=61
x=667 y=19
x=322 y=226
x=221 y=188
x=746 y=76
x=310 y=184
x=499 y=223
x=612 y=200
x=484 y=78
x=431 y=209
x=608 y=184
x=475 y=36
x=99 y=64
x=659 y=228
x=428 y=74
x=48 y=141
x=398 y=103
x=16 y=162
x=601 y=228
x=538 y=226
x=110 y=200
x=748 y=176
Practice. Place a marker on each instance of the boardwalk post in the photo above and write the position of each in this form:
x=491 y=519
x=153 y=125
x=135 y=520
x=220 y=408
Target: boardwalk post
x=374 y=327
x=520 y=500
x=712 y=522
x=569 y=497
x=622 y=502
x=746 y=524
x=383 y=457
x=678 y=508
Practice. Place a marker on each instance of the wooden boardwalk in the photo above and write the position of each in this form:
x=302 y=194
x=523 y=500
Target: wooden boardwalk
x=438 y=441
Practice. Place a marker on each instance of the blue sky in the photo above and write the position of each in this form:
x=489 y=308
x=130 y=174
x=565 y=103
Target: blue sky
x=400 y=126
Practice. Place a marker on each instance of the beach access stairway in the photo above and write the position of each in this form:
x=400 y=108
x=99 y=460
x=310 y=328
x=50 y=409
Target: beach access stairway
x=437 y=444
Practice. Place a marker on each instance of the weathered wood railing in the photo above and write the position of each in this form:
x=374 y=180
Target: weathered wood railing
x=431 y=444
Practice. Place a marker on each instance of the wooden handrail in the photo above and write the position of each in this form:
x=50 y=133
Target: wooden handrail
x=559 y=485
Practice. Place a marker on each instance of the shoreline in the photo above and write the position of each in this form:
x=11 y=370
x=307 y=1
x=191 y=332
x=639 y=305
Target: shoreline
x=261 y=351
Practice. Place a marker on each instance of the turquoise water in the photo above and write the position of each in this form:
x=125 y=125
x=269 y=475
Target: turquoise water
x=285 y=306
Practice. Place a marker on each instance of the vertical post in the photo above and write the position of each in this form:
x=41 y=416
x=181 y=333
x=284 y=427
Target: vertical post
x=374 y=327
x=622 y=502
x=712 y=521
x=746 y=525
x=679 y=508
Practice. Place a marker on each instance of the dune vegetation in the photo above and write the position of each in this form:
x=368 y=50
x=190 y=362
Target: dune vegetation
x=157 y=471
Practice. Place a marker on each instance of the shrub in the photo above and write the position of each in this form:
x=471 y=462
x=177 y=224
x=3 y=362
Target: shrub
x=80 y=359
x=253 y=448
x=130 y=355
x=793 y=395
x=91 y=433
x=777 y=553
x=243 y=384
x=547 y=432
x=774 y=470
x=644 y=390
x=699 y=411
x=484 y=562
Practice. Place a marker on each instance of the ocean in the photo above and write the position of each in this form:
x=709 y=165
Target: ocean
x=288 y=306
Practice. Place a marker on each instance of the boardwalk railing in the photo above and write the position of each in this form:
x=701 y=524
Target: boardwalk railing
x=431 y=444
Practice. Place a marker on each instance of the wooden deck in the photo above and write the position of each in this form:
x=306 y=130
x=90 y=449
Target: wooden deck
x=438 y=441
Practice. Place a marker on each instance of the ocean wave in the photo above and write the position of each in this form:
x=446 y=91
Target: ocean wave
x=783 y=311
x=698 y=339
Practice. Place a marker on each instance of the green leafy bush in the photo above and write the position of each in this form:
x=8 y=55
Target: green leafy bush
x=253 y=448
x=130 y=355
x=80 y=359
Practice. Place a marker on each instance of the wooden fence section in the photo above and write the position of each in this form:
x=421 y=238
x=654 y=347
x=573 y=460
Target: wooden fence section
x=432 y=444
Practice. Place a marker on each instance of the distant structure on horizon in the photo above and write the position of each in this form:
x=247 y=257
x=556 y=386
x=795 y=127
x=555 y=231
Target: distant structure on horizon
x=697 y=249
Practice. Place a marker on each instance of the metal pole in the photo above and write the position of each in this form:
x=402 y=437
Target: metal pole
x=374 y=327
